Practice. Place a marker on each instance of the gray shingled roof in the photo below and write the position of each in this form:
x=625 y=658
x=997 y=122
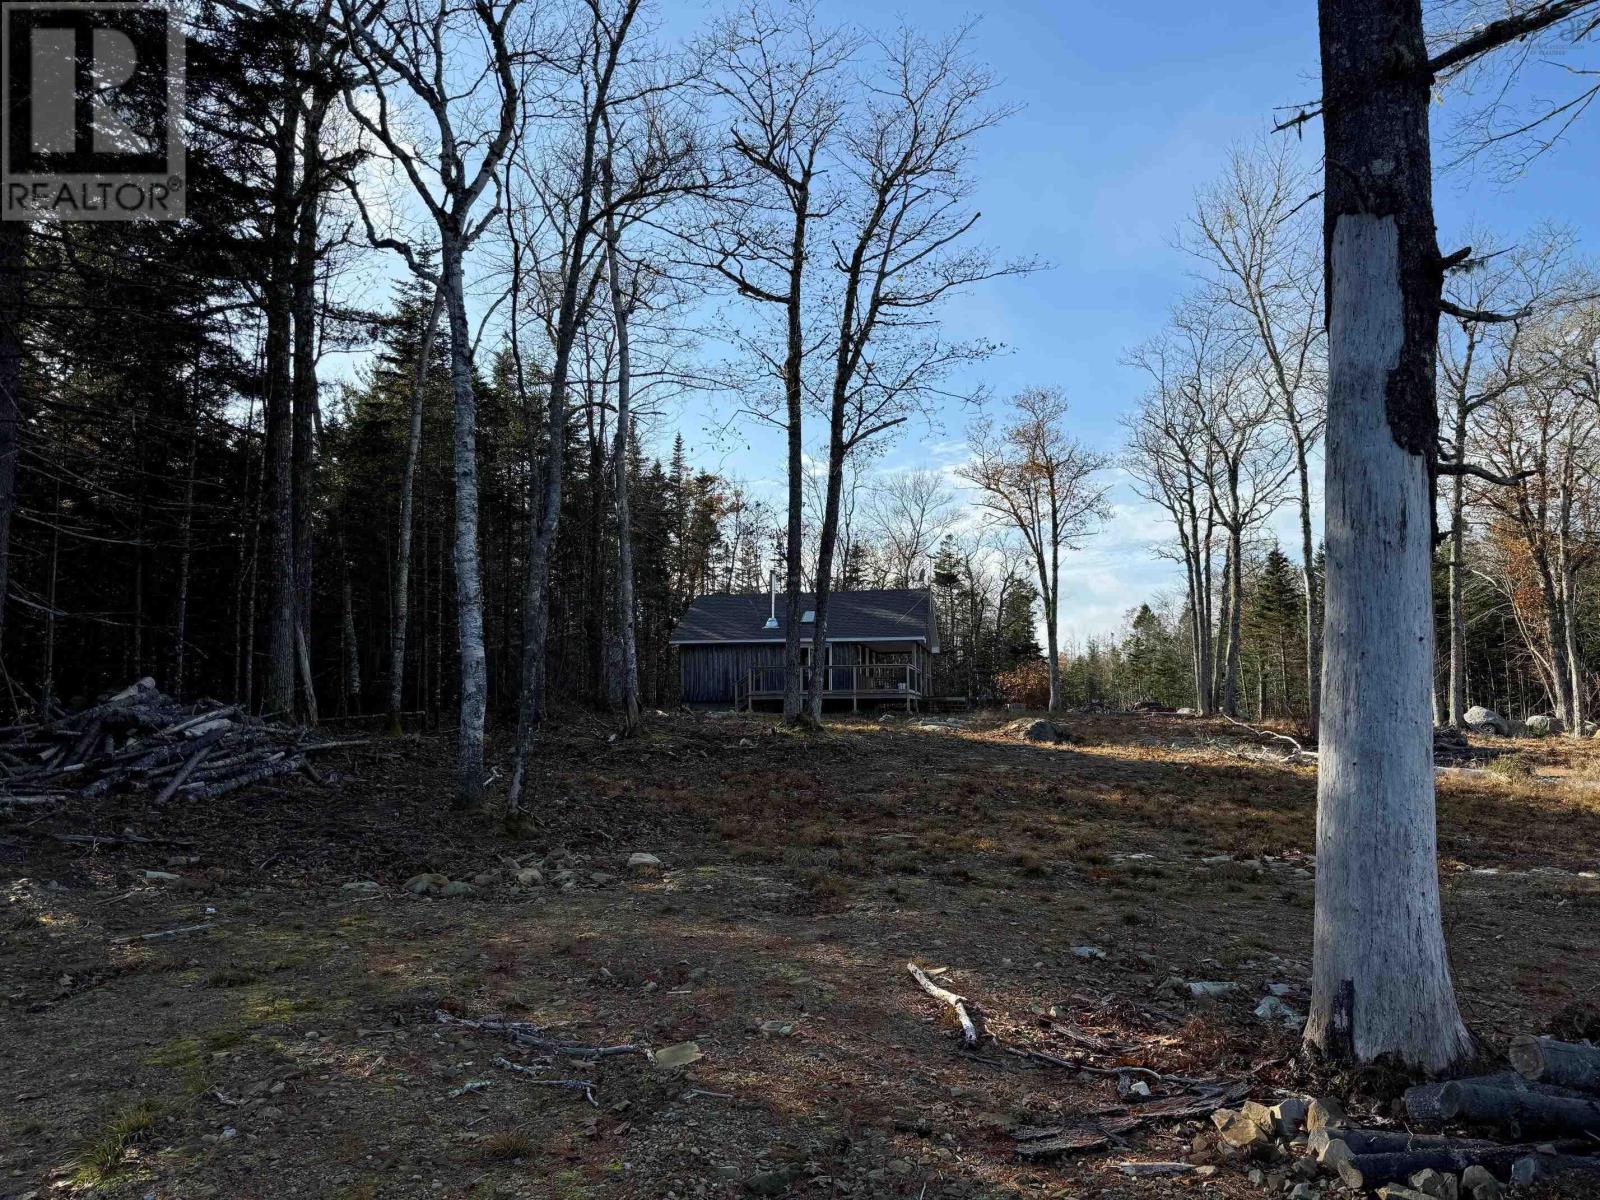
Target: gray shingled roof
x=852 y=617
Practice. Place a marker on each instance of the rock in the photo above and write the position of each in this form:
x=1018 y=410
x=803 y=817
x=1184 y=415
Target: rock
x=427 y=885
x=1210 y=989
x=644 y=864
x=160 y=877
x=679 y=1055
x=1479 y=1183
x=1437 y=1184
x=1303 y=1191
x=1334 y=1155
x=529 y=877
x=601 y=878
x=486 y=878
x=1041 y=731
x=1326 y=1113
x=1399 y=1191
x=458 y=887
x=1278 y=1013
x=1485 y=720
x=1239 y=1131
x=1541 y=726
x=776 y=1028
x=1088 y=952
x=360 y=885
x=1260 y=1114
x=1289 y=1117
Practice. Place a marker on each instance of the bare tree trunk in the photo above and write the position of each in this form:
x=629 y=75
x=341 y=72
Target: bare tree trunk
x=794 y=407
x=1308 y=576
x=1381 y=979
x=13 y=291
x=303 y=454
x=469 y=577
x=1235 y=586
x=351 y=691
x=627 y=632
x=180 y=637
x=408 y=486
x=278 y=695
x=1457 y=714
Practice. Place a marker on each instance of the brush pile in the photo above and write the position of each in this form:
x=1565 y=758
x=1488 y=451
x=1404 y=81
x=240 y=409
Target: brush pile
x=1462 y=1139
x=141 y=739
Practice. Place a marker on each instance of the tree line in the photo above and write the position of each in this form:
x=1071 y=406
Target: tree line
x=368 y=430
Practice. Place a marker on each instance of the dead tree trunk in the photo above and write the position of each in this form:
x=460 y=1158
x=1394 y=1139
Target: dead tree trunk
x=13 y=268
x=627 y=633
x=408 y=488
x=1381 y=981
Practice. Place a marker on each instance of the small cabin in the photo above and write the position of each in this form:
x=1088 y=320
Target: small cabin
x=880 y=648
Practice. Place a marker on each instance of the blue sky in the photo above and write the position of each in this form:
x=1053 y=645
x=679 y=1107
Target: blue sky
x=1128 y=109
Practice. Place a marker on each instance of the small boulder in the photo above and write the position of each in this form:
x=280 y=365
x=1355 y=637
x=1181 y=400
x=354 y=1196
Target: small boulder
x=1540 y=725
x=1239 y=1131
x=1278 y=1013
x=458 y=887
x=360 y=885
x=1438 y=1184
x=1289 y=1117
x=529 y=877
x=1325 y=1113
x=429 y=884
x=644 y=864
x=1041 y=731
x=1210 y=989
x=1480 y=1184
x=160 y=877
x=1399 y=1191
x=1485 y=720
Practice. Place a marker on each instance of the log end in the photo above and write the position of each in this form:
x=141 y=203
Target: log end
x=1527 y=1056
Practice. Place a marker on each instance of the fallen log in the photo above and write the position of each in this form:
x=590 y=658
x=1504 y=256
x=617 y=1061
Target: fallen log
x=1519 y=1112
x=1387 y=1141
x=1375 y=1170
x=1423 y=1102
x=969 y=1029
x=1566 y=1064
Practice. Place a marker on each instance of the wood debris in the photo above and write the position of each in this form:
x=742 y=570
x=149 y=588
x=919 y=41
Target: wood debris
x=140 y=738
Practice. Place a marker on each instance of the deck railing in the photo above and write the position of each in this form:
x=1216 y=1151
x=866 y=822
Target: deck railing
x=881 y=681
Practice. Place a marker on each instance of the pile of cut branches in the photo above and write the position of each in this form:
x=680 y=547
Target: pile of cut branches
x=141 y=739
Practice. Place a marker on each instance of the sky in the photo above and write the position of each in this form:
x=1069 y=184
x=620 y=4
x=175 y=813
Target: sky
x=1126 y=111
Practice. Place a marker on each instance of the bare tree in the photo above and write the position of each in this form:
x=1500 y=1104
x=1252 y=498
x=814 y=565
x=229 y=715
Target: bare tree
x=909 y=512
x=1034 y=477
x=450 y=152
x=778 y=73
x=1172 y=462
x=901 y=251
x=1381 y=982
x=1253 y=228
x=578 y=212
x=1481 y=361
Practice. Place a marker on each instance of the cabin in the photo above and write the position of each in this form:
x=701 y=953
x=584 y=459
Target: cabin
x=880 y=644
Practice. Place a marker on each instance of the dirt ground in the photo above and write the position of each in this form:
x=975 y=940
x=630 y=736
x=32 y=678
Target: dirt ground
x=293 y=1049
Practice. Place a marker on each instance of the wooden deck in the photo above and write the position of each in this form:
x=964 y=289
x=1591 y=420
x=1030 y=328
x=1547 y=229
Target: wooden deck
x=874 y=682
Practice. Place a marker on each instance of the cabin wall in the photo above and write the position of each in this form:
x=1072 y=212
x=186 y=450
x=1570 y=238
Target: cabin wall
x=711 y=674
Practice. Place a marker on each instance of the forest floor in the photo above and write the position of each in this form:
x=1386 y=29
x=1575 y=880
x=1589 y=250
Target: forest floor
x=292 y=1048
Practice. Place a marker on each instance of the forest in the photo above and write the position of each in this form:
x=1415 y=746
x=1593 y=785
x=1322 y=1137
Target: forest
x=358 y=832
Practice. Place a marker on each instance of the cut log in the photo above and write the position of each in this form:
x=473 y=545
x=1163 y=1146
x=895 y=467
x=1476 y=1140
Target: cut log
x=1423 y=1101
x=1375 y=1170
x=1387 y=1141
x=1566 y=1064
x=1519 y=1112
x=969 y=1029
